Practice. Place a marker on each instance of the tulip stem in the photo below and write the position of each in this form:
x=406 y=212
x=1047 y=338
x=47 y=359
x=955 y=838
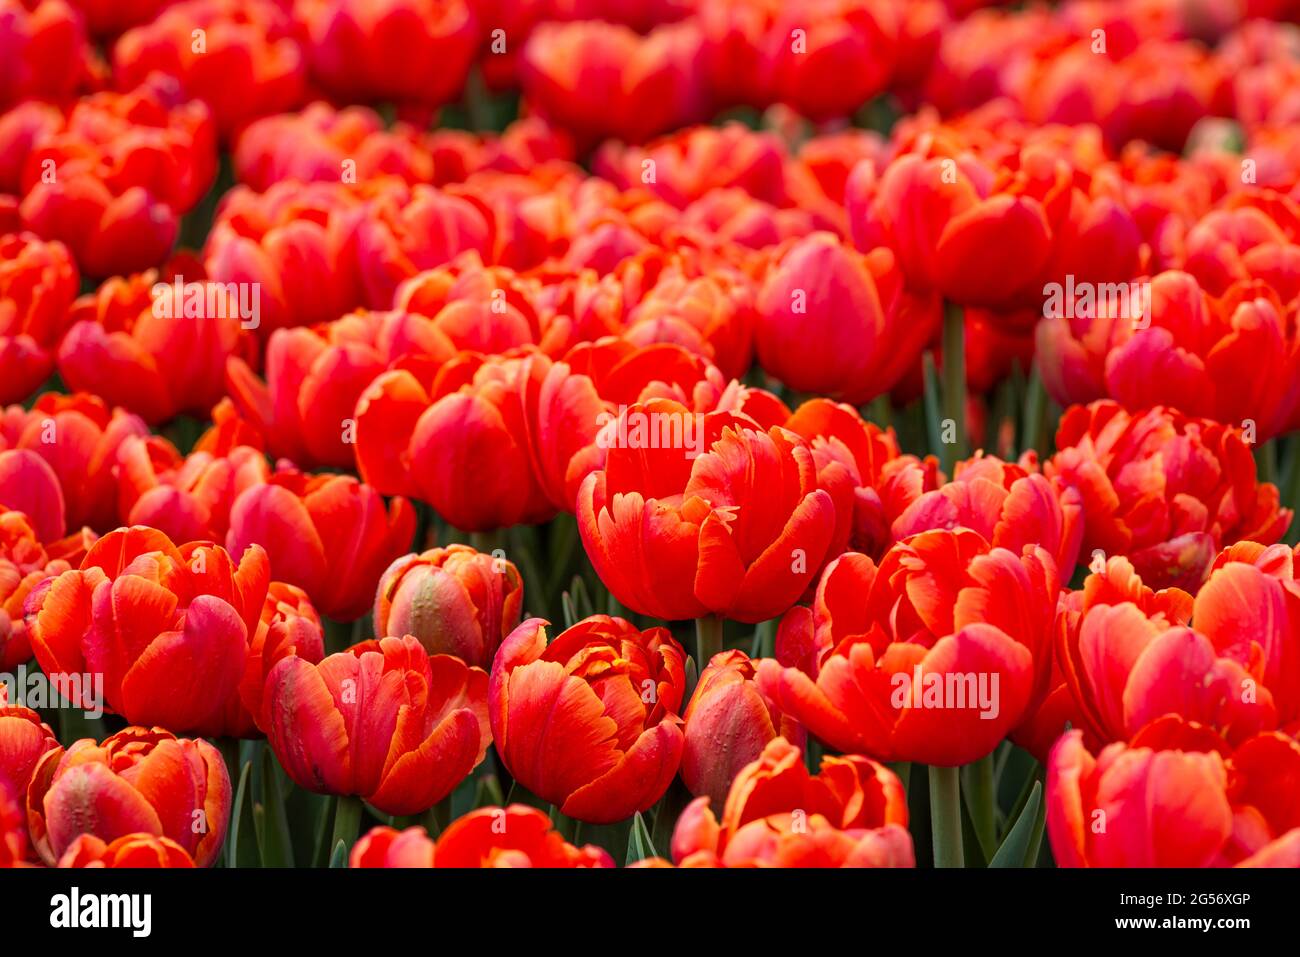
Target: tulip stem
x=945 y=816
x=954 y=388
x=347 y=820
x=708 y=639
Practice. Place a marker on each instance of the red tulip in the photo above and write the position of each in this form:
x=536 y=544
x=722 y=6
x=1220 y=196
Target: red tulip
x=1011 y=505
x=167 y=627
x=249 y=63
x=46 y=53
x=514 y=836
x=137 y=781
x=853 y=813
x=590 y=721
x=80 y=439
x=188 y=498
x=383 y=721
x=473 y=307
x=314 y=144
x=410 y=229
x=1129 y=658
x=330 y=535
x=1174 y=805
x=402 y=50
x=489 y=444
x=831 y=320
x=385 y=846
x=1235 y=358
x=883 y=479
x=1163 y=489
x=600 y=79
x=932 y=656
x=29 y=485
x=38 y=281
x=130 y=850
x=24 y=564
x=24 y=740
x=314 y=375
x=988 y=231
x=125 y=167
x=166 y=359
x=13 y=829
x=297 y=243
x=739 y=530
x=454 y=600
x=728 y=723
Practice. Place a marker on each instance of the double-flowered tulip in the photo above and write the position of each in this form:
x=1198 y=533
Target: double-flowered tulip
x=137 y=781
x=852 y=813
x=166 y=626
x=383 y=721
x=590 y=721
x=330 y=535
x=1166 y=490
x=1174 y=802
x=513 y=836
x=705 y=514
x=933 y=655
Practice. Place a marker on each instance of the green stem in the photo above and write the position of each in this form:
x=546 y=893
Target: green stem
x=954 y=385
x=436 y=819
x=980 y=801
x=347 y=821
x=708 y=639
x=945 y=816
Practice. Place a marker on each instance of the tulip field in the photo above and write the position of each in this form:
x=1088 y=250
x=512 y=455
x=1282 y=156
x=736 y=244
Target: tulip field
x=649 y=434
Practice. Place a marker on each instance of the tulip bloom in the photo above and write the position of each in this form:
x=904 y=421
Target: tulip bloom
x=28 y=485
x=81 y=439
x=137 y=781
x=13 y=828
x=383 y=721
x=590 y=721
x=330 y=535
x=401 y=50
x=312 y=144
x=168 y=627
x=1235 y=359
x=126 y=166
x=989 y=233
x=46 y=53
x=853 y=813
x=297 y=243
x=24 y=564
x=38 y=281
x=406 y=230
x=130 y=850
x=1166 y=490
x=598 y=79
x=1011 y=505
x=883 y=479
x=454 y=600
x=834 y=321
x=166 y=359
x=385 y=846
x=1174 y=804
x=24 y=740
x=1129 y=658
x=728 y=723
x=249 y=63
x=489 y=443
x=314 y=376
x=738 y=531
x=932 y=656
x=188 y=498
